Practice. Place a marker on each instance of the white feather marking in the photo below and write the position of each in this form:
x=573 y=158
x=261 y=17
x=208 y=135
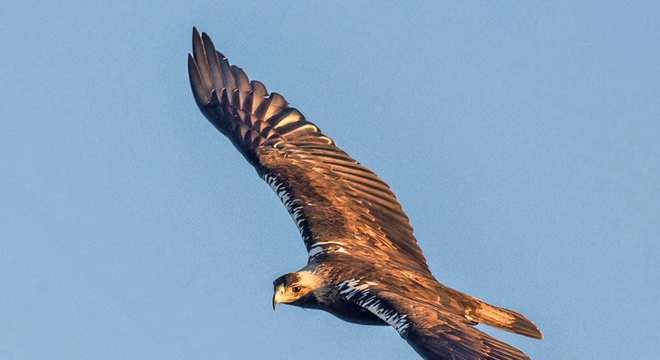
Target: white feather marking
x=289 y=202
x=324 y=247
x=315 y=250
x=354 y=289
x=296 y=211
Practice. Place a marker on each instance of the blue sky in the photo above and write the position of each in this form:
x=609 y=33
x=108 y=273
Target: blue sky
x=521 y=138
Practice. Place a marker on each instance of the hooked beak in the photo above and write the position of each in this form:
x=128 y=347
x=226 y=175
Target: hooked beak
x=277 y=295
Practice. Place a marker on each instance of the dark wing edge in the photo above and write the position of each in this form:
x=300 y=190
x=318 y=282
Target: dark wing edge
x=453 y=339
x=431 y=332
x=241 y=109
x=317 y=182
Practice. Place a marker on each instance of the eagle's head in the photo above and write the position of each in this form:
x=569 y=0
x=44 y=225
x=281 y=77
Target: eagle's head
x=296 y=289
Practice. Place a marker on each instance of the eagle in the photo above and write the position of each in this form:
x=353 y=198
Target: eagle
x=364 y=264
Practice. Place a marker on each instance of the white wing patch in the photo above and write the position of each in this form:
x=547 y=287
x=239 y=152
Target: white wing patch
x=315 y=250
x=323 y=247
x=295 y=210
x=358 y=292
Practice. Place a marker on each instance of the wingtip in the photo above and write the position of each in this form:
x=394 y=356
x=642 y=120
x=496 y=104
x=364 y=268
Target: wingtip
x=538 y=335
x=206 y=37
x=192 y=67
x=525 y=327
x=209 y=47
x=196 y=41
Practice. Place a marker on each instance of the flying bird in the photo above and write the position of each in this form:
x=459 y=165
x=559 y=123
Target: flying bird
x=364 y=264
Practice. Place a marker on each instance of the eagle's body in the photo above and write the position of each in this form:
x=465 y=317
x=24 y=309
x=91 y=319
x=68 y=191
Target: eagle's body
x=364 y=264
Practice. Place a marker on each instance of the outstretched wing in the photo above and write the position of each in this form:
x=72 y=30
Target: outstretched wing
x=338 y=205
x=431 y=331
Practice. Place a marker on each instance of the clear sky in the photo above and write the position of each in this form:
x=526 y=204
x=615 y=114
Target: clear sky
x=522 y=139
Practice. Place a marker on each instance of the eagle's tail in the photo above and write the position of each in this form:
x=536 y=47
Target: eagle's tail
x=505 y=319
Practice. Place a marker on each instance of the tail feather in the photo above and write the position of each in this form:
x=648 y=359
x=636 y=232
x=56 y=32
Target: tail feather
x=503 y=318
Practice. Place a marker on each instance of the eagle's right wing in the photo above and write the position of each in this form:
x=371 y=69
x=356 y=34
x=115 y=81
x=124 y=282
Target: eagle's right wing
x=338 y=205
x=431 y=331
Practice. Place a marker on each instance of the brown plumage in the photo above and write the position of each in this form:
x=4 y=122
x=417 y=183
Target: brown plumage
x=364 y=262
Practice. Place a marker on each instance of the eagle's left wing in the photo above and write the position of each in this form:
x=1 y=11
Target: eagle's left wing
x=339 y=206
x=431 y=331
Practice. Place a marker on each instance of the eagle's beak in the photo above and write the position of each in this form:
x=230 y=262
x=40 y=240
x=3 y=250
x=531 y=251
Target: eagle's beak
x=278 y=293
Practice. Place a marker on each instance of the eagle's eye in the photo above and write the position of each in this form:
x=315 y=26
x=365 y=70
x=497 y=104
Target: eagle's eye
x=295 y=289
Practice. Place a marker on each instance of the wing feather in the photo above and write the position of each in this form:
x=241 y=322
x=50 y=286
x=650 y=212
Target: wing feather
x=332 y=198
